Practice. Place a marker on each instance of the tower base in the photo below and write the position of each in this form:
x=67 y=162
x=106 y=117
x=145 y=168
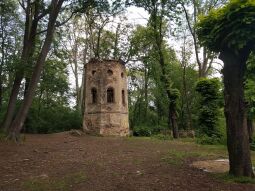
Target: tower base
x=106 y=124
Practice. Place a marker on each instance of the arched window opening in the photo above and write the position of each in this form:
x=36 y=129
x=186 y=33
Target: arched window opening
x=94 y=95
x=123 y=97
x=122 y=74
x=110 y=95
x=93 y=72
x=109 y=72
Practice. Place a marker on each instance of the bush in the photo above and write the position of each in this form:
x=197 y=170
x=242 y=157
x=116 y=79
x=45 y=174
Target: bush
x=52 y=120
x=252 y=145
x=208 y=119
x=205 y=140
x=142 y=130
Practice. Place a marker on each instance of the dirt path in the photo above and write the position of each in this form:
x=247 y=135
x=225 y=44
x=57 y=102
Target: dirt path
x=64 y=162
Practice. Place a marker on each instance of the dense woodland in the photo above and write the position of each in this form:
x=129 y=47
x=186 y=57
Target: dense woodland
x=186 y=63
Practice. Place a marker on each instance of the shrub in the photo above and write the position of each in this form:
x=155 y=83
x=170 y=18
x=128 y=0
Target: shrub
x=208 y=119
x=142 y=130
x=51 y=120
x=205 y=140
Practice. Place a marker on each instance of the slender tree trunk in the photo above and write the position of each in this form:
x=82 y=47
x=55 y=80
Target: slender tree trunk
x=28 y=49
x=250 y=129
x=173 y=117
x=75 y=70
x=158 y=37
x=186 y=95
x=2 y=61
x=235 y=113
x=27 y=80
x=83 y=89
x=146 y=79
x=116 y=41
x=19 y=120
x=1 y=87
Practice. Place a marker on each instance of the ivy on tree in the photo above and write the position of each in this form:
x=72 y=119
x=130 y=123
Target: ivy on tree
x=230 y=31
x=208 y=107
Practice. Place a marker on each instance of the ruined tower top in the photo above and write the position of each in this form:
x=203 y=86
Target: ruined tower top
x=106 y=101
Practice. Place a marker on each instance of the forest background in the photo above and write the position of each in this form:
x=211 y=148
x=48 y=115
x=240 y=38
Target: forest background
x=174 y=83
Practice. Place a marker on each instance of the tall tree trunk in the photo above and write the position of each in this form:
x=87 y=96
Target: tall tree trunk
x=83 y=89
x=173 y=117
x=19 y=120
x=28 y=50
x=235 y=113
x=75 y=71
x=186 y=98
x=2 y=61
x=27 y=80
x=146 y=83
x=1 y=87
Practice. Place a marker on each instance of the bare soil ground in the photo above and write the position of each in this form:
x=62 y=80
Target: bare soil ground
x=65 y=162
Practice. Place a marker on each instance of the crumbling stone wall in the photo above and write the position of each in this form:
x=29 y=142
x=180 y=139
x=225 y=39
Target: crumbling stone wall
x=106 y=100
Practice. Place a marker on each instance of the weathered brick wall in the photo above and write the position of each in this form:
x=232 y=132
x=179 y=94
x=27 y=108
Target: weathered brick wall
x=102 y=117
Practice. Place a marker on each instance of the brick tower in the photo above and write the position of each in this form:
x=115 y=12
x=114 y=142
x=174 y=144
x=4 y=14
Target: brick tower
x=106 y=100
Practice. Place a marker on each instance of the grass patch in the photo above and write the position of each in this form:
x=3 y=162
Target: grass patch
x=176 y=157
x=162 y=137
x=232 y=179
x=48 y=184
x=190 y=150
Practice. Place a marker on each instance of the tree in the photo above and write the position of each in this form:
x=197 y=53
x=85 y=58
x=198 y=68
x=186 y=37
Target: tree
x=250 y=94
x=29 y=43
x=230 y=31
x=208 y=118
x=10 y=44
x=33 y=15
x=206 y=58
x=158 y=11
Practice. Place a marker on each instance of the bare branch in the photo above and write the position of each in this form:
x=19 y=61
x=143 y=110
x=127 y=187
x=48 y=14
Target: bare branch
x=22 y=4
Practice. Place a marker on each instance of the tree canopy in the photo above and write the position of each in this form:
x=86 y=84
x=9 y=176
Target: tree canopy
x=231 y=26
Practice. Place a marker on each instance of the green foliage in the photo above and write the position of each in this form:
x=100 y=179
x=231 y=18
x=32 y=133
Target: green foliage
x=51 y=120
x=208 y=119
x=142 y=130
x=250 y=86
x=205 y=140
x=252 y=144
x=231 y=26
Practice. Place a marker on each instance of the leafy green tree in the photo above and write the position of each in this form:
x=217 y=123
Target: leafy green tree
x=250 y=94
x=10 y=45
x=230 y=31
x=159 y=11
x=208 y=118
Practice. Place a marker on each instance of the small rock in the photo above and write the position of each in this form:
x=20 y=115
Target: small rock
x=76 y=133
x=35 y=151
x=139 y=172
x=43 y=176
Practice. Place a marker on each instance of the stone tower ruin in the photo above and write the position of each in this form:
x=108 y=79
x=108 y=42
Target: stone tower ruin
x=106 y=100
